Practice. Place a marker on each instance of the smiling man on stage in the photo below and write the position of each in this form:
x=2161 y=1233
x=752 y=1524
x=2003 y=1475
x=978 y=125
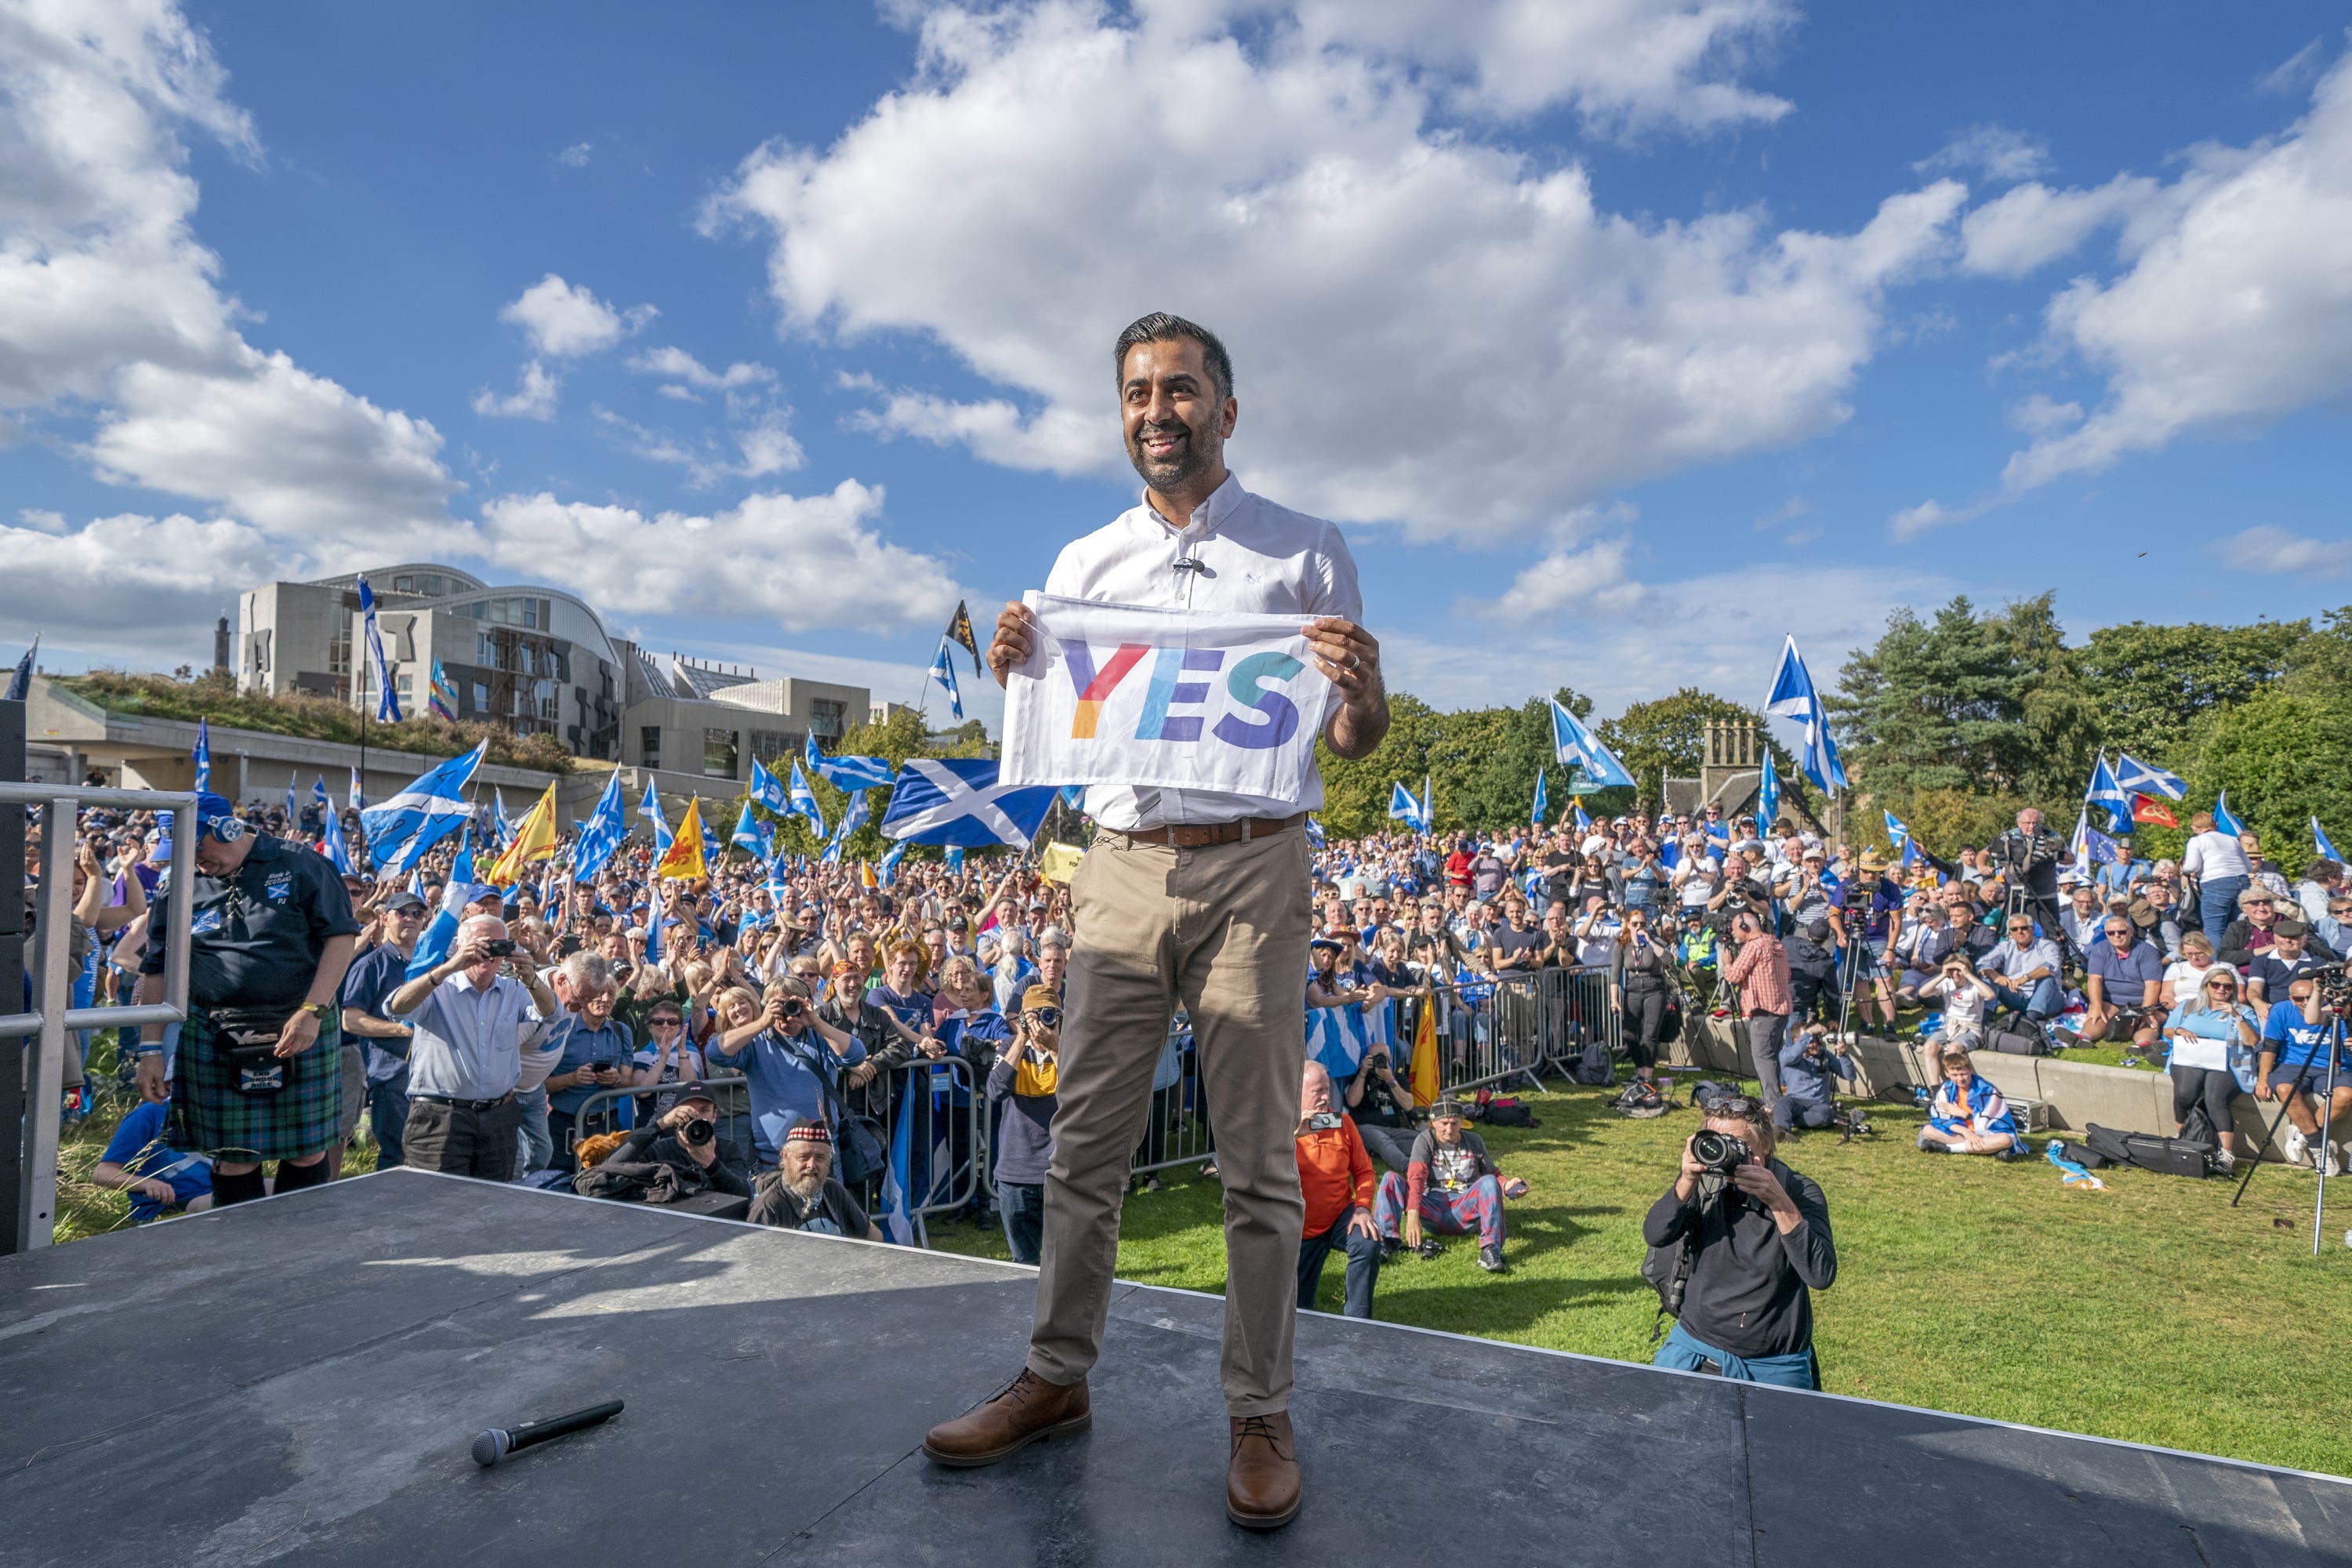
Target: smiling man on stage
x=1188 y=897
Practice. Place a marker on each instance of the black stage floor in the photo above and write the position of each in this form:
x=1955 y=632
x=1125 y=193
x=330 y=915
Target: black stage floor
x=296 y=1381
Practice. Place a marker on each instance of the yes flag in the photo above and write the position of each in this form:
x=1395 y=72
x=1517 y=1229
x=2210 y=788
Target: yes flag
x=1540 y=795
x=1768 y=795
x=203 y=755
x=847 y=773
x=20 y=679
x=804 y=801
x=440 y=935
x=683 y=856
x=943 y=671
x=768 y=791
x=387 y=701
x=431 y=807
x=1578 y=747
x=2223 y=820
x=2134 y=776
x=2319 y=841
x=601 y=833
x=960 y=801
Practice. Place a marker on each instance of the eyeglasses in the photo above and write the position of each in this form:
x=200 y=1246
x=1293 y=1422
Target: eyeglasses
x=666 y=1022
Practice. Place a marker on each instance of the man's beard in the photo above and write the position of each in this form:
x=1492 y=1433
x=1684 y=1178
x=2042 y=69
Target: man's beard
x=1194 y=455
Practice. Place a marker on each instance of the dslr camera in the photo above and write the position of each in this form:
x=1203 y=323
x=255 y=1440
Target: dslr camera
x=697 y=1130
x=1720 y=1151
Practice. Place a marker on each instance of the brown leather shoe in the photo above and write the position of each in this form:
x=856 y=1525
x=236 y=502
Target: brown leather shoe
x=1028 y=1410
x=1262 y=1481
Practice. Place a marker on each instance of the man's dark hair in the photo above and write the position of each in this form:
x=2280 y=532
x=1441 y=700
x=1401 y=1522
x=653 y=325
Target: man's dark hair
x=1160 y=327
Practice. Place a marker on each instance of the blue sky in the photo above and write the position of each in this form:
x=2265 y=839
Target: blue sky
x=1624 y=337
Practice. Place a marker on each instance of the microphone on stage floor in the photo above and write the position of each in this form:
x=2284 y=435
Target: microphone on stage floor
x=499 y=1442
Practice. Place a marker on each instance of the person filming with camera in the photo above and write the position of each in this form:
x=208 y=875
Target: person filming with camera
x=474 y=1014
x=1754 y=1243
x=2293 y=1066
x=686 y=1139
x=791 y=1060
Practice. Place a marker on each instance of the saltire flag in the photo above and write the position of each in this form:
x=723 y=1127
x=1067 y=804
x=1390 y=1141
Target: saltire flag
x=499 y=826
x=338 y=853
x=1584 y=821
x=431 y=807
x=768 y=791
x=601 y=833
x=943 y=671
x=1315 y=834
x=650 y=809
x=2147 y=808
x=1577 y=747
x=2134 y=776
x=1900 y=836
x=896 y=1222
x=1403 y=808
x=203 y=755
x=748 y=831
x=2223 y=820
x=20 y=680
x=803 y=800
x=857 y=813
x=2109 y=797
x=1541 y=798
x=533 y=839
x=1768 y=795
x=847 y=773
x=1424 y=1050
x=293 y=805
x=1335 y=1037
x=957 y=801
x=683 y=858
x=712 y=849
x=441 y=697
x=1793 y=697
x=387 y=701
x=2319 y=841
x=960 y=631
x=1074 y=797
x=440 y=935
x=890 y=863
x=323 y=801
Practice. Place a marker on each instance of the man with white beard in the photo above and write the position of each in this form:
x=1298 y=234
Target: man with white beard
x=800 y=1194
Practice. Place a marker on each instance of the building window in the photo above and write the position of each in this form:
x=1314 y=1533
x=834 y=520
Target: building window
x=825 y=718
x=481 y=697
x=403 y=584
x=401 y=684
x=767 y=745
x=719 y=753
x=649 y=743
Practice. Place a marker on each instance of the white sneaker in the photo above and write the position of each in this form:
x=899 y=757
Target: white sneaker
x=2335 y=1166
x=2298 y=1145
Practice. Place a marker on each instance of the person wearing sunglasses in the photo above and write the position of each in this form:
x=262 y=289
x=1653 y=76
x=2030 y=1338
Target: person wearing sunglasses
x=2210 y=1035
x=1027 y=1078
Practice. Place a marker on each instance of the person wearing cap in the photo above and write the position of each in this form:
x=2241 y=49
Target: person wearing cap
x=2293 y=951
x=374 y=975
x=1451 y=1185
x=2250 y=933
x=1025 y=1078
x=801 y=1192
x=271 y=934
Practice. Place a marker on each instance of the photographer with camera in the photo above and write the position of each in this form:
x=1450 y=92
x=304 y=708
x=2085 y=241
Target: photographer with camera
x=1027 y=1077
x=475 y=1014
x=2297 y=1039
x=1753 y=1242
x=684 y=1140
x=1812 y=1063
x=801 y=1192
x=791 y=1060
x=2026 y=860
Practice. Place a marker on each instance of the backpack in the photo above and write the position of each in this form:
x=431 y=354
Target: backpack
x=1670 y=1024
x=1595 y=1066
x=1641 y=1100
x=858 y=1154
x=1505 y=1112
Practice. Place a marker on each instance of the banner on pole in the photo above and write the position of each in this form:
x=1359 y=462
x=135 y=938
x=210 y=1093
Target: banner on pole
x=1170 y=698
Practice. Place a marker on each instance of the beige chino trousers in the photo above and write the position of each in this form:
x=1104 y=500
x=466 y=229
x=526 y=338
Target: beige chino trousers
x=1222 y=929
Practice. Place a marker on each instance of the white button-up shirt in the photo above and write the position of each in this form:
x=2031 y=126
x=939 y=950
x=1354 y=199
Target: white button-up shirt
x=1256 y=558
x=470 y=1044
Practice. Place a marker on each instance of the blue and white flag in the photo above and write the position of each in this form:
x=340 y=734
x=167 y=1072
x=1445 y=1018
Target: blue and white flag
x=1317 y=835
x=1074 y=796
x=768 y=791
x=1336 y=1037
x=943 y=671
x=1403 y=808
x=711 y=847
x=293 y=805
x=2319 y=841
x=803 y=801
x=2106 y=793
x=359 y=789
x=1583 y=820
x=952 y=858
x=857 y=813
x=338 y=852
x=1793 y=697
x=387 y=701
x=502 y=831
x=1900 y=836
x=1821 y=761
x=1541 y=799
x=957 y=801
x=2223 y=820
x=20 y=679
x=888 y=871
x=750 y=832
x=326 y=804
x=896 y=1223
x=2092 y=848
x=650 y=809
x=203 y=755
x=847 y=773
x=1578 y=747
x=428 y=810
x=2133 y=777
x=601 y=833
x=440 y=935
x=1768 y=795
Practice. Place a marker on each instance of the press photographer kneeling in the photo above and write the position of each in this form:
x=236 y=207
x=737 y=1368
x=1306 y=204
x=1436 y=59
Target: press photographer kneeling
x=1739 y=1245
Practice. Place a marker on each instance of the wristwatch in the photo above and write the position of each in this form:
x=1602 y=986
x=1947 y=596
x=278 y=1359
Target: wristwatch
x=318 y=1010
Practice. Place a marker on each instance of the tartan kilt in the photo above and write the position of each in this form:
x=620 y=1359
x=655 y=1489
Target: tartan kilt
x=210 y=1114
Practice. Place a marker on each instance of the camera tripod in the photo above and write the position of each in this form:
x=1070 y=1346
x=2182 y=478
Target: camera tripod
x=2327 y=1104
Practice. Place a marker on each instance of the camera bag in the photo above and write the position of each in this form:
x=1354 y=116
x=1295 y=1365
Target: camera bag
x=1595 y=1066
x=2011 y=1040
x=2150 y=1151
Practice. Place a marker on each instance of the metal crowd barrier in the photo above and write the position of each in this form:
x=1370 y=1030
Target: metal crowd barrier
x=1178 y=1131
x=34 y=1223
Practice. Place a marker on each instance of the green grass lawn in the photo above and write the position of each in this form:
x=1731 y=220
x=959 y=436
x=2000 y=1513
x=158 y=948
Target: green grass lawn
x=2151 y=1311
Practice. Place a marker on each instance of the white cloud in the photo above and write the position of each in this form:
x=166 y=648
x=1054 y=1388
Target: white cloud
x=680 y=367
x=532 y=398
x=2296 y=72
x=2032 y=225
x=1338 y=238
x=2003 y=155
x=2037 y=414
x=1592 y=578
x=1788 y=510
x=577 y=156
x=565 y=320
x=762 y=447
x=1914 y=521
x=800 y=562
x=2268 y=548
x=2235 y=311
x=131 y=587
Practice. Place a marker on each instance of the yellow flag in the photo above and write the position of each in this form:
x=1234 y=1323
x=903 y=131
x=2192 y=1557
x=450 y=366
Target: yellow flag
x=1059 y=862
x=1424 y=1051
x=534 y=840
x=685 y=857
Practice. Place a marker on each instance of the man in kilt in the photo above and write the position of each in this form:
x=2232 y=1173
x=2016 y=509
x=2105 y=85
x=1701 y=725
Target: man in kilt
x=259 y=1070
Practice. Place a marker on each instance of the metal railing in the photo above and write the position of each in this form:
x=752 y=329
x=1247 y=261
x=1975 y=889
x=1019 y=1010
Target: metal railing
x=1177 y=1132
x=34 y=1223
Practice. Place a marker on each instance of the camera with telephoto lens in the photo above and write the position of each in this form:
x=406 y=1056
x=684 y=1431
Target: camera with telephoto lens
x=1721 y=1151
x=697 y=1130
x=2333 y=982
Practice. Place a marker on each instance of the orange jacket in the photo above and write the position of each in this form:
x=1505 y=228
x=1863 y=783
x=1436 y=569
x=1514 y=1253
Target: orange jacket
x=1335 y=1174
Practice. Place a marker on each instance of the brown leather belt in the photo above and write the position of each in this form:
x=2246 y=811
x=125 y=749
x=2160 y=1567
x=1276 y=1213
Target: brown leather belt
x=1200 y=834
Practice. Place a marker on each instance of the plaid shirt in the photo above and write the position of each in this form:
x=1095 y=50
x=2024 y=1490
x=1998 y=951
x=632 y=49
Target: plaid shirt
x=1761 y=973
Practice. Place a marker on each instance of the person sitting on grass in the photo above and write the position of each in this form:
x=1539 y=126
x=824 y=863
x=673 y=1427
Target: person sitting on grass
x=159 y=1179
x=1812 y=1064
x=1453 y=1185
x=1968 y=1115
